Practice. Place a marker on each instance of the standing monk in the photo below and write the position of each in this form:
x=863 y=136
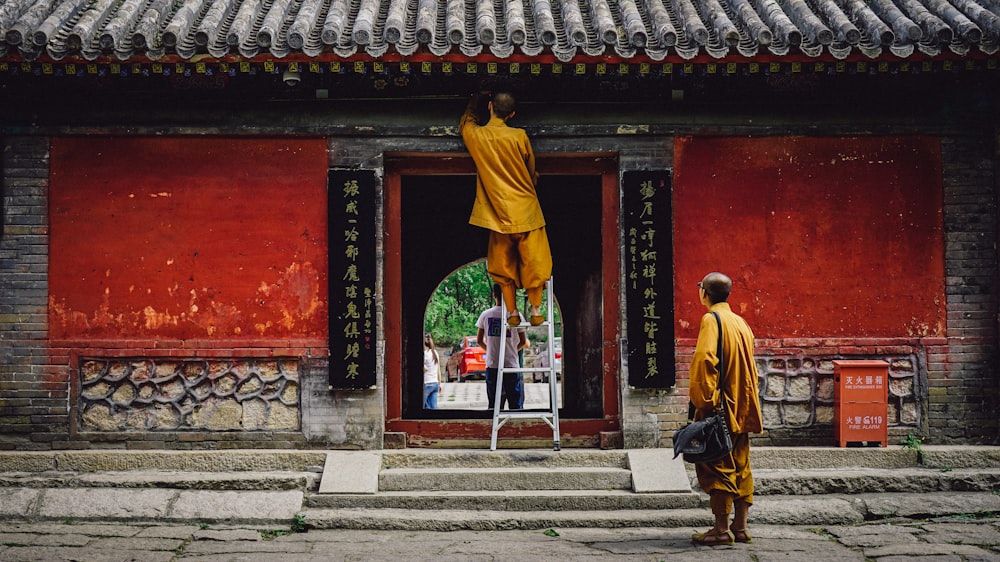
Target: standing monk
x=728 y=481
x=518 y=254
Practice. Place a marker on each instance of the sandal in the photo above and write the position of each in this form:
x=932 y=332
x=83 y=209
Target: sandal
x=514 y=319
x=713 y=539
x=743 y=536
x=536 y=318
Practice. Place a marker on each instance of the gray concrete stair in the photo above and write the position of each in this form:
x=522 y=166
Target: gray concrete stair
x=487 y=520
x=500 y=479
x=165 y=479
x=521 y=500
x=799 y=482
x=480 y=489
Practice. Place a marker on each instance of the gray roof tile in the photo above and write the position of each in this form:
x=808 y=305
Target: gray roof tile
x=565 y=29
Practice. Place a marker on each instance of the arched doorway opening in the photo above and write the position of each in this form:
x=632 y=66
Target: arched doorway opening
x=451 y=319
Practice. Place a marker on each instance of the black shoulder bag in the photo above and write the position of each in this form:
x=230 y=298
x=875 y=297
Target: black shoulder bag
x=707 y=440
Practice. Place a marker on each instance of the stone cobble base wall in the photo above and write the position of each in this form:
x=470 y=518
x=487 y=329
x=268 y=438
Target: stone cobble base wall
x=155 y=393
x=796 y=380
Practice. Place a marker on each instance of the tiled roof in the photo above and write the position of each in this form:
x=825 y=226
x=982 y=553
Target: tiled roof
x=567 y=30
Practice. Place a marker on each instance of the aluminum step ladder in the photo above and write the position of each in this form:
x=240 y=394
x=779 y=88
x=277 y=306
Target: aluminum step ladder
x=550 y=415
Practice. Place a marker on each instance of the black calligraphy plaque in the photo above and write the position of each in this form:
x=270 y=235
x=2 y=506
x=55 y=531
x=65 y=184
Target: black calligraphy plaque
x=649 y=301
x=351 y=236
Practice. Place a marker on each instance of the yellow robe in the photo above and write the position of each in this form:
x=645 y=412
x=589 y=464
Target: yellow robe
x=731 y=474
x=507 y=204
x=506 y=201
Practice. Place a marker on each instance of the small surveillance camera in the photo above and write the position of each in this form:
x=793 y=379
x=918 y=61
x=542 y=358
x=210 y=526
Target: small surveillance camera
x=291 y=78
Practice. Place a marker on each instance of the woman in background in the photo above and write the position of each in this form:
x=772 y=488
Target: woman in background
x=432 y=374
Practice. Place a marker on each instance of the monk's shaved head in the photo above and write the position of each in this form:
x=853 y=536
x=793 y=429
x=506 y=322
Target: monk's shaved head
x=717 y=286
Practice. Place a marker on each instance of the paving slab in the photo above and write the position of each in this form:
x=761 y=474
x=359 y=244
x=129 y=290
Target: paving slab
x=872 y=529
x=875 y=540
x=824 y=556
x=33 y=539
x=270 y=557
x=937 y=558
x=168 y=531
x=232 y=547
x=104 y=503
x=926 y=549
x=237 y=506
x=18 y=502
x=351 y=472
x=655 y=470
x=135 y=543
x=90 y=529
x=70 y=554
x=226 y=535
x=961 y=533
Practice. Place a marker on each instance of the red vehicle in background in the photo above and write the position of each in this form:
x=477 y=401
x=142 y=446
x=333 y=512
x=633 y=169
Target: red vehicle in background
x=467 y=361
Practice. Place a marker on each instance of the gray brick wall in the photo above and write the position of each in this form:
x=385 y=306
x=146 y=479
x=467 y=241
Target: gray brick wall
x=33 y=394
x=963 y=379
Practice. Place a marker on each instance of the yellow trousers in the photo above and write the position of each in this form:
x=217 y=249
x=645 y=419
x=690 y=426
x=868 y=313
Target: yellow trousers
x=520 y=260
x=729 y=478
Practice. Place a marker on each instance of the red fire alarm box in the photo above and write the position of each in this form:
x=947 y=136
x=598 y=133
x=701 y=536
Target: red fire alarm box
x=861 y=402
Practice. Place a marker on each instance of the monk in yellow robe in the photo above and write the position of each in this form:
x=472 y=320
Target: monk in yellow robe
x=728 y=481
x=518 y=254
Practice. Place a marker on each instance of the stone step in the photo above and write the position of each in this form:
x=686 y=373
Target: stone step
x=244 y=460
x=528 y=500
x=233 y=460
x=771 y=510
x=165 y=479
x=815 y=510
x=871 y=480
x=495 y=479
x=504 y=458
x=488 y=520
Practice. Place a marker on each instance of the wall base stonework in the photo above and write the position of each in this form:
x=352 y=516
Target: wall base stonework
x=797 y=395
x=155 y=393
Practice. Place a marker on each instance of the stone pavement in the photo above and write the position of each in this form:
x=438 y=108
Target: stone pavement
x=472 y=395
x=897 y=540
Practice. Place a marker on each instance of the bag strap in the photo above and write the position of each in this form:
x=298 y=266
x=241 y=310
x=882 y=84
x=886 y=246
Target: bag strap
x=722 y=363
x=722 y=370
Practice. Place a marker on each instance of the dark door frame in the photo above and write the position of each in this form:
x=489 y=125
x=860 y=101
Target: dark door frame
x=579 y=432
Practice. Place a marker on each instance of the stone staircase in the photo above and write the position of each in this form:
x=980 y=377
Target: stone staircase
x=484 y=490
x=508 y=489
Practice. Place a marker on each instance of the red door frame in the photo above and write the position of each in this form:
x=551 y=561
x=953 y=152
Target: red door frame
x=403 y=164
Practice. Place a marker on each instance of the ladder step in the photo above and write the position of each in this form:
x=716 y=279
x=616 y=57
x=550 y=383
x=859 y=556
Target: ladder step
x=528 y=369
x=528 y=325
x=521 y=414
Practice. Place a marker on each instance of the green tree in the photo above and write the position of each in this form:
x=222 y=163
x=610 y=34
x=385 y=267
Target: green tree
x=457 y=302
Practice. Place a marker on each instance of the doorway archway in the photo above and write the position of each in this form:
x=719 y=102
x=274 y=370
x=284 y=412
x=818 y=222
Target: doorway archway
x=427 y=201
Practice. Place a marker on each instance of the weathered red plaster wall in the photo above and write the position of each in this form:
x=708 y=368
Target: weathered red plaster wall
x=187 y=238
x=823 y=237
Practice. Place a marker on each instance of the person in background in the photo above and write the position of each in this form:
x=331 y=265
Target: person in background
x=432 y=373
x=518 y=254
x=488 y=337
x=729 y=480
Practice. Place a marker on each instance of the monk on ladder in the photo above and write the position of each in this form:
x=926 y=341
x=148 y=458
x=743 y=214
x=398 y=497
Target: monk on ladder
x=518 y=254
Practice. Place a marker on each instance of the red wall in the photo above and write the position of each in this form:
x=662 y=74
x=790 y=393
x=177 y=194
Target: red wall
x=188 y=238
x=823 y=237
